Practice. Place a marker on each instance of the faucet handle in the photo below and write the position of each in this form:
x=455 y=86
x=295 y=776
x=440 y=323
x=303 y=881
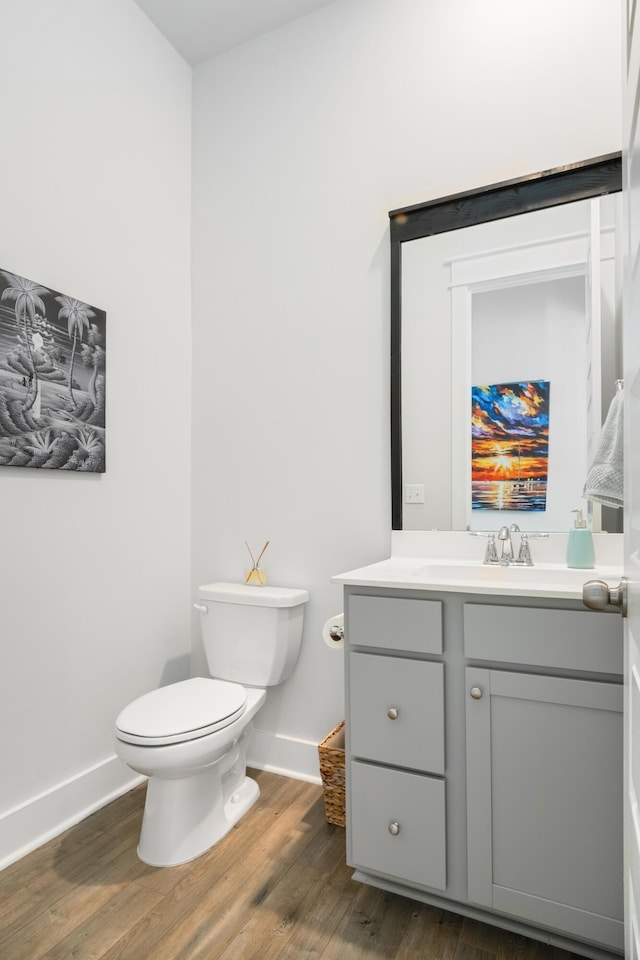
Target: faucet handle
x=491 y=553
x=524 y=556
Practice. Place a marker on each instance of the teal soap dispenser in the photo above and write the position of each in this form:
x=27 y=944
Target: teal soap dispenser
x=580 y=549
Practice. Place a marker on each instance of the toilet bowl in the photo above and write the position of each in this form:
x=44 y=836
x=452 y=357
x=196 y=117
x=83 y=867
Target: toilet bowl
x=190 y=738
x=198 y=788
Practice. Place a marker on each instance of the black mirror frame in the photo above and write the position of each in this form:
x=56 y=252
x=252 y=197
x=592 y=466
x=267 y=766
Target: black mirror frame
x=549 y=188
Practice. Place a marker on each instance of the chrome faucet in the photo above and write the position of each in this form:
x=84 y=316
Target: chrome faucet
x=504 y=535
x=507 y=558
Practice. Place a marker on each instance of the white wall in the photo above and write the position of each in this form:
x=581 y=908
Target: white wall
x=94 y=570
x=303 y=140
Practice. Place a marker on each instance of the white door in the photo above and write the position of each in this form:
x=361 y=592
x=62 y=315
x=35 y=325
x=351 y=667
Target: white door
x=631 y=206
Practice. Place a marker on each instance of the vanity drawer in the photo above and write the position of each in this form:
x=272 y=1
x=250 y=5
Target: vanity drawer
x=564 y=639
x=413 y=806
x=396 y=623
x=397 y=711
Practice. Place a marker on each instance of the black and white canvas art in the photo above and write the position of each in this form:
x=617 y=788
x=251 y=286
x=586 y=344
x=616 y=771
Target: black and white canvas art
x=52 y=378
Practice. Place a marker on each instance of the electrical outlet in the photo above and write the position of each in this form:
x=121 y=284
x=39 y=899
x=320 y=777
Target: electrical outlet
x=414 y=493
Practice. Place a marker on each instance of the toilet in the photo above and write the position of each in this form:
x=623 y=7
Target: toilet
x=190 y=738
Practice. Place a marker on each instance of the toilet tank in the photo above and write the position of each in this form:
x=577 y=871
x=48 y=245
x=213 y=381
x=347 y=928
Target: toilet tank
x=251 y=635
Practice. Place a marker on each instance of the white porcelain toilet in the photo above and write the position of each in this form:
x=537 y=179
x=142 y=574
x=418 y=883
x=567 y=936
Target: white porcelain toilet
x=190 y=738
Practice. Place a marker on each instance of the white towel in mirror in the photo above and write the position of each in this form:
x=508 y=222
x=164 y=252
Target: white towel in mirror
x=605 y=479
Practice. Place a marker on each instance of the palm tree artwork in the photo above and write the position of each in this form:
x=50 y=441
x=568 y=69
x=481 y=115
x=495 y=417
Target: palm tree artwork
x=26 y=295
x=52 y=378
x=77 y=313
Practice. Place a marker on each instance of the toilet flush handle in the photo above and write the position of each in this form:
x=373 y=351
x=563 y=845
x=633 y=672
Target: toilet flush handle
x=201 y=607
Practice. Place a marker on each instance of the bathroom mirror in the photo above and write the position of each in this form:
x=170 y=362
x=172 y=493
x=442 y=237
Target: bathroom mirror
x=512 y=288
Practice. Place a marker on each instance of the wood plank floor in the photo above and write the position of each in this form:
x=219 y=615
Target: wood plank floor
x=276 y=887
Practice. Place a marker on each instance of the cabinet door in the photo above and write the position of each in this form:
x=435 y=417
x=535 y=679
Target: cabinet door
x=544 y=801
x=397 y=824
x=397 y=711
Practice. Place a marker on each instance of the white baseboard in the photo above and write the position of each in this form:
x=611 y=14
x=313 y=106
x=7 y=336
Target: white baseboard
x=30 y=824
x=288 y=756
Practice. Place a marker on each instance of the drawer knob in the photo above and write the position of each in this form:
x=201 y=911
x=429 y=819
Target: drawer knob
x=476 y=693
x=392 y=713
x=394 y=828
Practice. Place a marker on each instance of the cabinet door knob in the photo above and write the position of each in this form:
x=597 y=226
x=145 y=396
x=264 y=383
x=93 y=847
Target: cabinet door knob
x=392 y=713
x=475 y=693
x=394 y=828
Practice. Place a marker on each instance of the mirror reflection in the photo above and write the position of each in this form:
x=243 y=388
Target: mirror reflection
x=507 y=353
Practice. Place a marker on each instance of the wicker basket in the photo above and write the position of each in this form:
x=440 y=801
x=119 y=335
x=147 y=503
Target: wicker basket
x=331 y=753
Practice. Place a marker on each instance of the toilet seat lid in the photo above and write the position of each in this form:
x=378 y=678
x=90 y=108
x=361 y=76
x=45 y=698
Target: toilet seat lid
x=181 y=711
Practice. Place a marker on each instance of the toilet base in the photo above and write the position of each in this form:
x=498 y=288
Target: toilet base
x=180 y=821
x=197 y=789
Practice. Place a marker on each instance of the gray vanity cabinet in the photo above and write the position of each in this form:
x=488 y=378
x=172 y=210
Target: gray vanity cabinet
x=484 y=759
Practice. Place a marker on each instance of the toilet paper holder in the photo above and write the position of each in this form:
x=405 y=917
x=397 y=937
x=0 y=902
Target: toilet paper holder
x=333 y=632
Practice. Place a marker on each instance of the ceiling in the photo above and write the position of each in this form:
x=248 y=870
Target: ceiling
x=201 y=29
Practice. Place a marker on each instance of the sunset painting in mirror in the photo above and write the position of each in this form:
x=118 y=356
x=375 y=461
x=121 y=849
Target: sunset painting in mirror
x=510 y=446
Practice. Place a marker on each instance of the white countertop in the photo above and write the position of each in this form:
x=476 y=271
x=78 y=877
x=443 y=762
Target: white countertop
x=452 y=562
